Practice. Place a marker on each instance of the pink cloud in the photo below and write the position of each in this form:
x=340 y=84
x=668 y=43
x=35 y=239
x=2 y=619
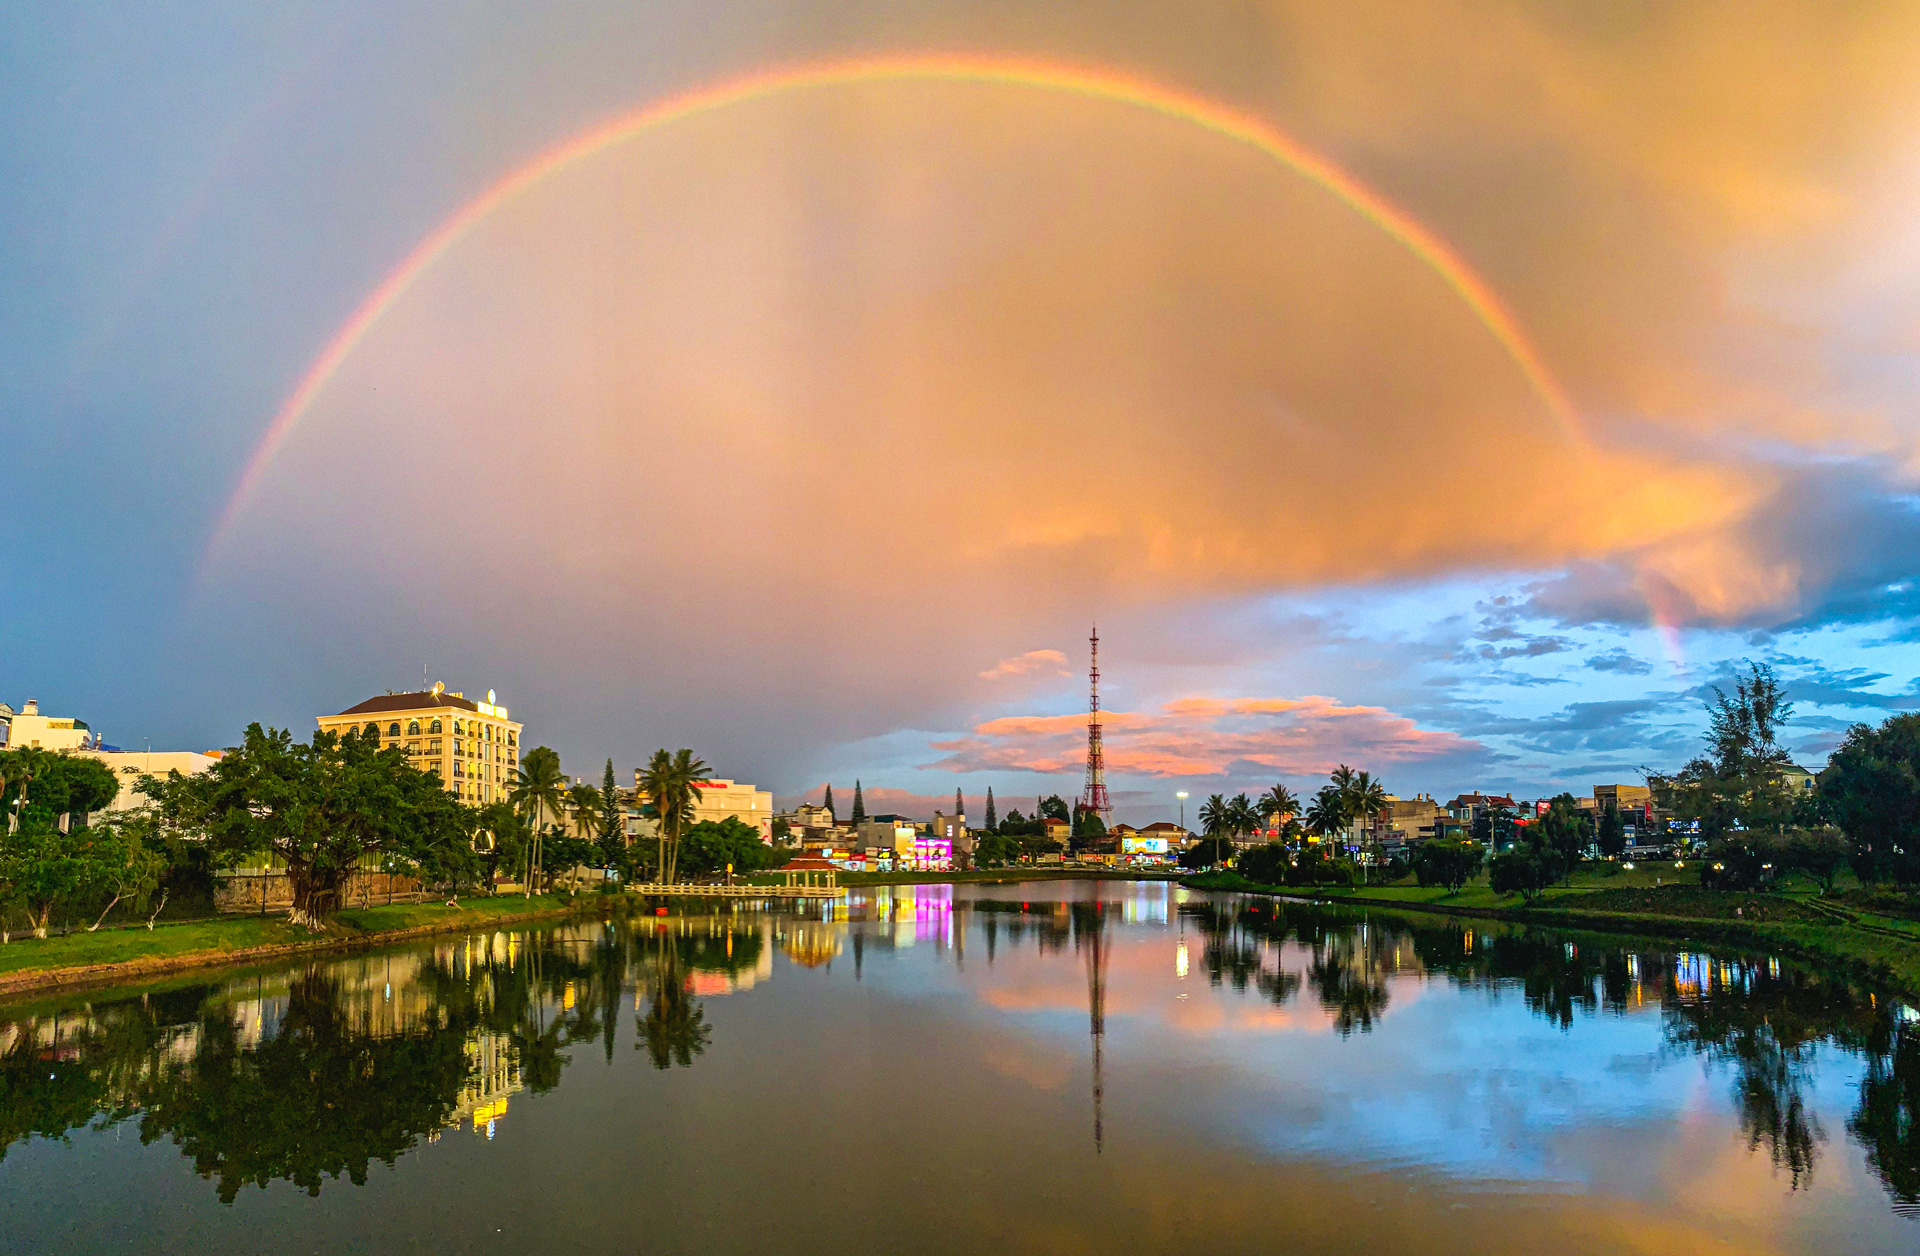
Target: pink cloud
x=1032 y=663
x=1201 y=736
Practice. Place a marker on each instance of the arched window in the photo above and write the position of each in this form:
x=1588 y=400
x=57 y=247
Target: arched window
x=435 y=726
x=413 y=728
x=393 y=729
x=459 y=728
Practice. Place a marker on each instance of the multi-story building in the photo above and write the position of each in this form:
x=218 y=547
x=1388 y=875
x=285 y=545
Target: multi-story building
x=1621 y=797
x=1466 y=808
x=1408 y=821
x=474 y=746
x=29 y=729
x=954 y=832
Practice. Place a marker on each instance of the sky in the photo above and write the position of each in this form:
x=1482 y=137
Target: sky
x=1458 y=391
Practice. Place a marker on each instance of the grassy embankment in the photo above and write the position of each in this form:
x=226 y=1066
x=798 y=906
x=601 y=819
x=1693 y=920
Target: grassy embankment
x=117 y=954
x=1843 y=930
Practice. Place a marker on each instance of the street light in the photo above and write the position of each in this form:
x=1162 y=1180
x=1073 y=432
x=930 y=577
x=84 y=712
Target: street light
x=1182 y=796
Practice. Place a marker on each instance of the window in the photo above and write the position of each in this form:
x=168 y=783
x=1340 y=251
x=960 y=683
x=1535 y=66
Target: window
x=435 y=726
x=433 y=746
x=413 y=728
x=413 y=747
x=393 y=729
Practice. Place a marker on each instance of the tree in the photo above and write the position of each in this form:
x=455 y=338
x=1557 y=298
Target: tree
x=827 y=802
x=995 y=850
x=1612 y=835
x=583 y=803
x=537 y=791
x=1565 y=831
x=1266 y=864
x=1209 y=852
x=1739 y=782
x=1361 y=797
x=499 y=836
x=1054 y=807
x=321 y=808
x=1871 y=788
x=1327 y=814
x=991 y=823
x=1451 y=864
x=709 y=846
x=859 y=815
x=613 y=822
x=1279 y=805
x=126 y=864
x=1243 y=816
x=669 y=783
x=1523 y=872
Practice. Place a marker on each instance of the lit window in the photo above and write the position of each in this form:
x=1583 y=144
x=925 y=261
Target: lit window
x=435 y=726
x=413 y=728
x=393 y=729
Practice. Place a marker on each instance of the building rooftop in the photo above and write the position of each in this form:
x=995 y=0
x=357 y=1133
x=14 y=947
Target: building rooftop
x=411 y=702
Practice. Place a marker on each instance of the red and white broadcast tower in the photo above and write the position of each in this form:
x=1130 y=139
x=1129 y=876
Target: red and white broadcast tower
x=1094 y=799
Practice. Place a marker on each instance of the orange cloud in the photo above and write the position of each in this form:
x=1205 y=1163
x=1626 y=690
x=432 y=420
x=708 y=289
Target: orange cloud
x=1208 y=737
x=1033 y=662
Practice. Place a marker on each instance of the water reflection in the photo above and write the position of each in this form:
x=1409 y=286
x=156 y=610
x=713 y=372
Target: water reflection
x=314 y=1073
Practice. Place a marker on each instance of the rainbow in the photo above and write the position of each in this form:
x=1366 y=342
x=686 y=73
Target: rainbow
x=1045 y=76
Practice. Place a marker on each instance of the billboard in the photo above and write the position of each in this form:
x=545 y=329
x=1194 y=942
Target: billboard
x=1143 y=845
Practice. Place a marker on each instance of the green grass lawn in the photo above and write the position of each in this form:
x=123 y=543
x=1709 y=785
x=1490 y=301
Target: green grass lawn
x=235 y=933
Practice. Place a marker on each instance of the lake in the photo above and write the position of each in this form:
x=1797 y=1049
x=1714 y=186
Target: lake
x=1046 y=1067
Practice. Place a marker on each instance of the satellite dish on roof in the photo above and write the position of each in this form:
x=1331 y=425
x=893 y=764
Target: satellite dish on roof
x=439 y=687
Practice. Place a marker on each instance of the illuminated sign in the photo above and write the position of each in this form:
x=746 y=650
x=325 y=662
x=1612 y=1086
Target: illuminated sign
x=1143 y=845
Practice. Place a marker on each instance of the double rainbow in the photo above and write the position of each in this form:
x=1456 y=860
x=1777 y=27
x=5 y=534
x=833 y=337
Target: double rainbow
x=1045 y=76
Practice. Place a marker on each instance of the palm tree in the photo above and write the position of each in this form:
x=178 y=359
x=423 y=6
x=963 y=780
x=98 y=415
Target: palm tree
x=668 y=783
x=537 y=792
x=583 y=801
x=583 y=804
x=1279 y=803
x=1367 y=800
x=1216 y=820
x=1245 y=816
x=1327 y=813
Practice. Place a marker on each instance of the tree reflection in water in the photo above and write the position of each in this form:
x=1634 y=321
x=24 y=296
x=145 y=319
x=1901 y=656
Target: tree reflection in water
x=1760 y=1019
x=319 y=1072
x=322 y=1071
x=674 y=1029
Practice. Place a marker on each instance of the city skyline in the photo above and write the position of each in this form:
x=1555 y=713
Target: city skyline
x=1456 y=392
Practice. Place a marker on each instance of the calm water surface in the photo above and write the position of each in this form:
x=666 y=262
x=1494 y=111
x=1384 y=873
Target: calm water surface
x=1061 y=1067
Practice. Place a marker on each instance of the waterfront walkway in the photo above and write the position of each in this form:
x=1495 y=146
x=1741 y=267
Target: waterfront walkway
x=684 y=889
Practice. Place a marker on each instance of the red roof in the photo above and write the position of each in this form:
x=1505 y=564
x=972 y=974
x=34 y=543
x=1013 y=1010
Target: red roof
x=809 y=863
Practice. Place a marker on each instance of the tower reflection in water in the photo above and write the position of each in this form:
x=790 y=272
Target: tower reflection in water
x=317 y=1071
